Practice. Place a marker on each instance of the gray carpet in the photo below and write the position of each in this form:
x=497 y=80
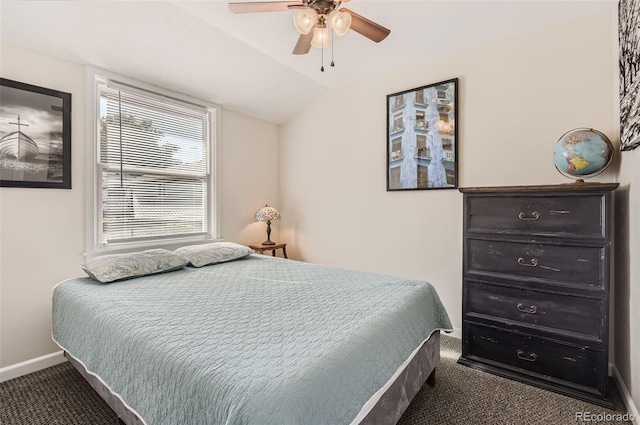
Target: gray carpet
x=59 y=395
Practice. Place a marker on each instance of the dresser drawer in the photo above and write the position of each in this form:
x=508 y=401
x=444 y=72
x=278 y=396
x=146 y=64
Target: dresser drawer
x=552 y=312
x=555 y=216
x=573 y=364
x=577 y=265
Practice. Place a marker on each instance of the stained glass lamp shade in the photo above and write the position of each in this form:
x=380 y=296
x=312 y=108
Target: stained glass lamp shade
x=267 y=214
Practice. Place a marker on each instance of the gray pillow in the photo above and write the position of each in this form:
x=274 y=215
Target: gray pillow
x=213 y=253
x=112 y=267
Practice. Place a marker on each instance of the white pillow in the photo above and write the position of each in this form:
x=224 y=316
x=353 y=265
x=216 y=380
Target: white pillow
x=112 y=267
x=213 y=253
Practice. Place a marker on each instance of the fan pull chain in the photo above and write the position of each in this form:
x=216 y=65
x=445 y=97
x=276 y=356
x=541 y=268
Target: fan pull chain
x=332 y=63
x=322 y=59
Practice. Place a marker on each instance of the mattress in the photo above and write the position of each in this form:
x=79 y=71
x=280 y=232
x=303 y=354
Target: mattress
x=260 y=340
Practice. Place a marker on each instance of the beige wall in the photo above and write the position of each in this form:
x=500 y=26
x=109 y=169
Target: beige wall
x=42 y=230
x=516 y=98
x=627 y=286
x=626 y=315
x=250 y=167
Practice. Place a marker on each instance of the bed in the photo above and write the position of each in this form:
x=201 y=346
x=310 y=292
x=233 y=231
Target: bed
x=256 y=341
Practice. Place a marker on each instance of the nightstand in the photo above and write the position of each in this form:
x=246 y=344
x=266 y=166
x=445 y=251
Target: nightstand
x=273 y=248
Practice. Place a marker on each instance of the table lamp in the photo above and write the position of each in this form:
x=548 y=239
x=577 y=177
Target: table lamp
x=267 y=214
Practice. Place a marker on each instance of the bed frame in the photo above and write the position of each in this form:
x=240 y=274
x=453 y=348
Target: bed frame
x=387 y=410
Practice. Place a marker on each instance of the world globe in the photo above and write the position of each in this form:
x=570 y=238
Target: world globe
x=582 y=153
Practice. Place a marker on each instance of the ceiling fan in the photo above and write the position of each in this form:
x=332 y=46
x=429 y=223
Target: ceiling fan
x=313 y=18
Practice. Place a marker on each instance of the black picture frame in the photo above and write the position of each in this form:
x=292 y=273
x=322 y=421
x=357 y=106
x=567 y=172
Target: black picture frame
x=35 y=136
x=422 y=137
x=629 y=57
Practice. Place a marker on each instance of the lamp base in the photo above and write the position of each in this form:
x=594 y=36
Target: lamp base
x=268 y=241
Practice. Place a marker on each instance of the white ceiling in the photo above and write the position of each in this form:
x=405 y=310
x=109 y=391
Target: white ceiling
x=244 y=62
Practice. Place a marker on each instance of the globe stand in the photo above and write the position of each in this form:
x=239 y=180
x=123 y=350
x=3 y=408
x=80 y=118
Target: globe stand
x=578 y=181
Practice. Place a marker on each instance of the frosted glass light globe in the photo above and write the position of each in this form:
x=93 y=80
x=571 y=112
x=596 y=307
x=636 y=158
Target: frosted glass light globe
x=321 y=37
x=339 y=21
x=304 y=20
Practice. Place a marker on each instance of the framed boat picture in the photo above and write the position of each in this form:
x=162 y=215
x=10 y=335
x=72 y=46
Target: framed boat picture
x=35 y=136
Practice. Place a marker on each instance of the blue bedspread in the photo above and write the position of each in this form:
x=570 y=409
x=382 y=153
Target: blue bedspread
x=258 y=341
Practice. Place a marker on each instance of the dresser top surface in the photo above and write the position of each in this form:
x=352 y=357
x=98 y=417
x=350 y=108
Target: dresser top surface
x=567 y=187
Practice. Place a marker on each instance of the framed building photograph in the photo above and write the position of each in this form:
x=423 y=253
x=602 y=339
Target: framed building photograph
x=422 y=137
x=35 y=136
x=629 y=57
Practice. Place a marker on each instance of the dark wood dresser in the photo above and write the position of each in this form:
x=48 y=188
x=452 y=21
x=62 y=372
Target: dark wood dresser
x=536 y=273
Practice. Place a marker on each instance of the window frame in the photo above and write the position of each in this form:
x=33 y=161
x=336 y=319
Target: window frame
x=93 y=206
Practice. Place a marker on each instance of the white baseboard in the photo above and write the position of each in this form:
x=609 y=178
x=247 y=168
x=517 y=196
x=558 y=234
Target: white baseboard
x=30 y=366
x=626 y=396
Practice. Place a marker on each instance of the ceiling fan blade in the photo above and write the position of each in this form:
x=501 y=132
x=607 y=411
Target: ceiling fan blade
x=262 y=6
x=364 y=26
x=304 y=44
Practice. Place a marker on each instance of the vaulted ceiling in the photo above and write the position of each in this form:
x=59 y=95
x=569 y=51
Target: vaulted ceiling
x=244 y=62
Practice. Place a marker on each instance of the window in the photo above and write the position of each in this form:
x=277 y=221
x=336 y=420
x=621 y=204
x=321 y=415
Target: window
x=423 y=177
x=396 y=144
x=421 y=142
x=397 y=123
x=421 y=124
x=421 y=147
x=394 y=178
x=447 y=144
x=420 y=97
x=396 y=149
x=451 y=177
x=154 y=178
x=398 y=101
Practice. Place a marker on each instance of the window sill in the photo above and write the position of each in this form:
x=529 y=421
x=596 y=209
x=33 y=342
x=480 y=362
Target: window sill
x=169 y=244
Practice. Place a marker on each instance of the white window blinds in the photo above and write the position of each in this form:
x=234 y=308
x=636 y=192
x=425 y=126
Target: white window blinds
x=153 y=168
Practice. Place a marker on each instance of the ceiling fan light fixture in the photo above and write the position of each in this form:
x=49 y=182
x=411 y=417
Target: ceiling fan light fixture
x=305 y=19
x=340 y=22
x=321 y=37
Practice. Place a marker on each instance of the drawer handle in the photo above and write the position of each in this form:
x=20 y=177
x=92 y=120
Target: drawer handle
x=531 y=309
x=529 y=357
x=534 y=216
x=532 y=263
